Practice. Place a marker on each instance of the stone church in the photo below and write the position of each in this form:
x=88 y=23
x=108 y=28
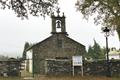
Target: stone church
x=57 y=46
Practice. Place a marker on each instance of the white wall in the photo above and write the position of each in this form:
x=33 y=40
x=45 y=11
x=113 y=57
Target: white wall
x=30 y=66
x=29 y=58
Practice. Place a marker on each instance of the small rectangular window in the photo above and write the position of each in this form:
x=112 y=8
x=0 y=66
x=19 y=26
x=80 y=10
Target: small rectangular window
x=60 y=43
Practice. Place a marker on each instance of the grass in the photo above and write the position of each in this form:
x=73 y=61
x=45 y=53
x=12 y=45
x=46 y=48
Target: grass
x=10 y=78
x=62 y=78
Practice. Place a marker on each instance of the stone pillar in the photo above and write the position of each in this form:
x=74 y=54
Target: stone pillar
x=63 y=24
x=53 y=24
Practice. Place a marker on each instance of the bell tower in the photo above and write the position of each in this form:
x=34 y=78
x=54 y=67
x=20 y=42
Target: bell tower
x=58 y=23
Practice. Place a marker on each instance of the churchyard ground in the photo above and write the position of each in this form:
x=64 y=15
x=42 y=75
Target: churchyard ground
x=61 y=78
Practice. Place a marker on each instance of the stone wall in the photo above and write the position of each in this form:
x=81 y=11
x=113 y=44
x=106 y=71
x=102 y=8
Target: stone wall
x=64 y=67
x=100 y=68
x=9 y=68
x=58 y=67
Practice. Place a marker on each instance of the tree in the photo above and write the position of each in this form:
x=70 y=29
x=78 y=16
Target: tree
x=107 y=12
x=95 y=52
x=24 y=7
x=27 y=45
x=90 y=52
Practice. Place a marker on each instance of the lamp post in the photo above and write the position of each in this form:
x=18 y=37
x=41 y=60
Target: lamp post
x=106 y=30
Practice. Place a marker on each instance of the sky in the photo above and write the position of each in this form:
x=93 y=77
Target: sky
x=14 y=32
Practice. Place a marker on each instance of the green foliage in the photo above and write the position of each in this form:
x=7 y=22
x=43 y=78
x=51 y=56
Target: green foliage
x=24 y=51
x=24 y=7
x=95 y=52
x=106 y=12
x=3 y=58
x=26 y=45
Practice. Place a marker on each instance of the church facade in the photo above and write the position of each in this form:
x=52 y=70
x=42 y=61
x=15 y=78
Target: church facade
x=58 y=45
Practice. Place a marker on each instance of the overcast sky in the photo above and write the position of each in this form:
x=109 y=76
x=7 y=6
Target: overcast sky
x=14 y=32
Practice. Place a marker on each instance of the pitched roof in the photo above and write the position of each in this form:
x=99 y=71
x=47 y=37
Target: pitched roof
x=75 y=41
x=114 y=52
x=49 y=38
x=30 y=47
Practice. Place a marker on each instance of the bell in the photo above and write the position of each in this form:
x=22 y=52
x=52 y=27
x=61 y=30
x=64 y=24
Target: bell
x=58 y=24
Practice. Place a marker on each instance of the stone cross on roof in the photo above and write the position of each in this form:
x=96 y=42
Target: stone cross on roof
x=58 y=11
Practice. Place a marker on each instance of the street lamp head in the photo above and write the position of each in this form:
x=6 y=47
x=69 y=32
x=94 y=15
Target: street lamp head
x=106 y=30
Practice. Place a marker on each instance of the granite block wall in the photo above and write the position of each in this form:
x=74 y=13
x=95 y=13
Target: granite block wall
x=98 y=68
